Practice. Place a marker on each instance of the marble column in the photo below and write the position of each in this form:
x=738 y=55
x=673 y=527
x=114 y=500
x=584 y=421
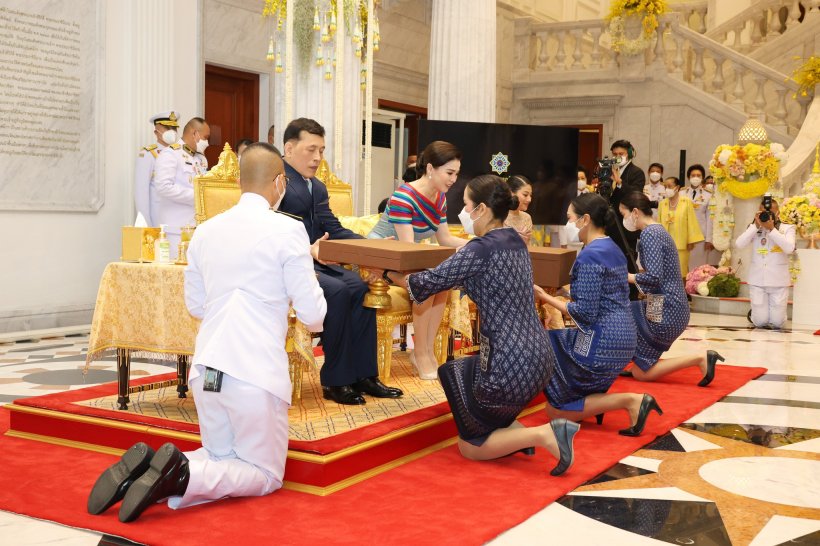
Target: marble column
x=463 y=61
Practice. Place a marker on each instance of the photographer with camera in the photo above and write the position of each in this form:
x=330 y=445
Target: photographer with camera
x=618 y=177
x=769 y=277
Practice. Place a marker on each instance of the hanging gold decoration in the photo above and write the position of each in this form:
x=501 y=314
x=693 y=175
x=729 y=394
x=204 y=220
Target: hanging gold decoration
x=316 y=25
x=271 y=56
x=320 y=58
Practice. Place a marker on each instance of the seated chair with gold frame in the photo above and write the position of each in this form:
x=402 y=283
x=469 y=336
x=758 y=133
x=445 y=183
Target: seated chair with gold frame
x=215 y=192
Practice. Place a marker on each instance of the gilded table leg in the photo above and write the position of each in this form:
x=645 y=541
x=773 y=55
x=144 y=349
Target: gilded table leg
x=384 y=345
x=182 y=375
x=123 y=373
x=295 y=369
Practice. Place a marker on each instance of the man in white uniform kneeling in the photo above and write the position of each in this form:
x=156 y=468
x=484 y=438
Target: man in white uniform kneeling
x=245 y=267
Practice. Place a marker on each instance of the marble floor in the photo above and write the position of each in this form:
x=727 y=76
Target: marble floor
x=744 y=471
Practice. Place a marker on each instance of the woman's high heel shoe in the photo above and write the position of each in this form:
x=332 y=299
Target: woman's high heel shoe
x=599 y=418
x=647 y=404
x=565 y=432
x=711 y=360
x=430 y=376
x=528 y=451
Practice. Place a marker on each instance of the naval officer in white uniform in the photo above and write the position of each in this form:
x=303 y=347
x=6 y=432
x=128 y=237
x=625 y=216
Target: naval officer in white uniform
x=173 y=181
x=245 y=267
x=145 y=198
x=768 y=277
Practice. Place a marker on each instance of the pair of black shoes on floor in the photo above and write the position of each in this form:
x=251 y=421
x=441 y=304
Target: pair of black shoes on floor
x=351 y=395
x=139 y=479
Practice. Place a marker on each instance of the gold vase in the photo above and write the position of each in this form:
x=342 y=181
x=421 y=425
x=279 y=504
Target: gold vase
x=810 y=237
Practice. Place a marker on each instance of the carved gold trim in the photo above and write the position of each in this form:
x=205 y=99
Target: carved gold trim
x=64 y=443
x=226 y=168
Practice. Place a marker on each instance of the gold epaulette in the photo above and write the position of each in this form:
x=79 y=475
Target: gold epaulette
x=288 y=214
x=149 y=147
x=175 y=146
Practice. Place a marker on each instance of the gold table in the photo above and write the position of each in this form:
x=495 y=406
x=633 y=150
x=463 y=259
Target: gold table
x=141 y=311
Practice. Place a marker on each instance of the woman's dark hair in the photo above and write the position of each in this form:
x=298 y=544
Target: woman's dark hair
x=596 y=206
x=675 y=179
x=245 y=141
x=695 y=167
x=518 y=181
x=493 y=192
x=582 y=169
x=658 y=165
x=437 y=153
x=637 y=200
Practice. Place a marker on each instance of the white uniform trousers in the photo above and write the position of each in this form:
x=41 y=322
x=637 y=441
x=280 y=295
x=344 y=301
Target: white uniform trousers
x=244 y=432
x=769 y=305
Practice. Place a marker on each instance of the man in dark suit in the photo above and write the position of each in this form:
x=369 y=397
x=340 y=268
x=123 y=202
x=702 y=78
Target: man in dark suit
x=349 y=337
x=626 y=178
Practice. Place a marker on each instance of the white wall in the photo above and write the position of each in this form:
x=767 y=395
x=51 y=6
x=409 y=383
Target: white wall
x=52 y=261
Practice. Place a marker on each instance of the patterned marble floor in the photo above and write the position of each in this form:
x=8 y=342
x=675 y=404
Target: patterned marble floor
x=744 y=471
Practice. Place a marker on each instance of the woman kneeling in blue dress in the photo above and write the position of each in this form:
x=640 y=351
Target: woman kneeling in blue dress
x=664 y=314
x=486 y=392
x=590 y=357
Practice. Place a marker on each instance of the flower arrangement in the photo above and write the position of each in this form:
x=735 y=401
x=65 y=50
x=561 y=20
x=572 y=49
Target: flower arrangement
x=747 y=171
x=807 y=76
x=708 y=280
x=802 y=211
x=620 y=9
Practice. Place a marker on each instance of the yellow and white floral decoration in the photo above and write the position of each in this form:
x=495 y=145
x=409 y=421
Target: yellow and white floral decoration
x=621 y=10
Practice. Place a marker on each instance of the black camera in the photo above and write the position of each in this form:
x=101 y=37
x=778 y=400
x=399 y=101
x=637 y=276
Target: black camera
x=605 y=165
x=767 y=215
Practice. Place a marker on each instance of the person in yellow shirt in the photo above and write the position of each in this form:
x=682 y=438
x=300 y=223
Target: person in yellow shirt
x=676 y=214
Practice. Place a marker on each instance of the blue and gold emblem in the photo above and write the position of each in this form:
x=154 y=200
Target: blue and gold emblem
x=500 y=163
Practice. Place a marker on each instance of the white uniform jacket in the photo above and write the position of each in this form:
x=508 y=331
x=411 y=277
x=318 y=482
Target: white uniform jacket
x=245 y=267
x=173 y=185
x=700 y=199
x=145 y=197
x=770 y=254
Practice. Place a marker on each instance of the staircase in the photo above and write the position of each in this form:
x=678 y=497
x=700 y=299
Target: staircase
x=567 y=73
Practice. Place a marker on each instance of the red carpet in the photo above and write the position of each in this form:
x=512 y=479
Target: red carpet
x=438 y=499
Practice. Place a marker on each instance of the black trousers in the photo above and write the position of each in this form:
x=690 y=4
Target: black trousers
x=629 y=238
x=349 y=336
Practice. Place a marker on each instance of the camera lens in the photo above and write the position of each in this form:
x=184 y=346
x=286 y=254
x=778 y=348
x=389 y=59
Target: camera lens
x=765 y=216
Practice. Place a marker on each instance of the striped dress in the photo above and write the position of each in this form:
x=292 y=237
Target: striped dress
x=408 y=206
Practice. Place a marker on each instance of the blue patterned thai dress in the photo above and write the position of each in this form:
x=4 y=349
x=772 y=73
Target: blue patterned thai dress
x=664 y=314
x=590 y=357
x=487 y=391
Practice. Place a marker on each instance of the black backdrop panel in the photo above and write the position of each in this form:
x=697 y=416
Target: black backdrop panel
x=548 y=156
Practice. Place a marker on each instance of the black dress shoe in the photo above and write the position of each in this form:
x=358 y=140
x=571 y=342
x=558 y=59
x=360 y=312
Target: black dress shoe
x=565 y=432
x=374 y=387
x=112 y=484
x=343 y=395
x=626 y=373
x=711 y=360
x=647 y=404
x=167 y=476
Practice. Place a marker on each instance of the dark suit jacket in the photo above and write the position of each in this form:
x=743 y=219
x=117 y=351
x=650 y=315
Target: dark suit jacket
x=314 y=210
x=632 y=179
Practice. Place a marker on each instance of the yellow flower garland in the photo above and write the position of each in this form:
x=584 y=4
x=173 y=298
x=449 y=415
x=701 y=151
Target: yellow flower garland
x=744 y=171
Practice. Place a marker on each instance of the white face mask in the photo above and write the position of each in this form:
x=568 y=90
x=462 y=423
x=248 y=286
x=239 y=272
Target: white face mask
x=582 y=184
x=467 y=221
x=572 y=232
x=630 y=224
x=695 y=181
x=281 y=192
x=670 y=192
x=622 y=160
x=709 y=188
x=654 y=177
x=201 y=145
x=169 y=136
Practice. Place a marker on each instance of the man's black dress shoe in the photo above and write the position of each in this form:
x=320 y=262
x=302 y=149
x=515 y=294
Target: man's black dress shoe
x=166 y=476
x=343 y=395
x=565 y=432
x=711 y=360
x=648 y=403
x=112 y=484
x=374 y=387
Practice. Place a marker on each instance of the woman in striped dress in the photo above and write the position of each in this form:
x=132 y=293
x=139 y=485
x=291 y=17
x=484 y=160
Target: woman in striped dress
x=415 y=212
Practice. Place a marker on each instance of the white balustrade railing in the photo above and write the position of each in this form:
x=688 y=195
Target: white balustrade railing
x=553 y=47
x=760 y=23
x=732 y=77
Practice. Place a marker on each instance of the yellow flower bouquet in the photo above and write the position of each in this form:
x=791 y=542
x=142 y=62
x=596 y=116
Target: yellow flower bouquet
x=807 y=76
x=802 y=211
x=746 y=171
x=648 y=10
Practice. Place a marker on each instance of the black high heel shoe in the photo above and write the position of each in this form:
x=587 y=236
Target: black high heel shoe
x=599 y=418
x=565 y=432
x=711 y=360
x=647 y=404
x=528 y=451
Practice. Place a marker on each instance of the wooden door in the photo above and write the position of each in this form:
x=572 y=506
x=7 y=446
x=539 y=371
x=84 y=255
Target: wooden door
x=231 y=108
